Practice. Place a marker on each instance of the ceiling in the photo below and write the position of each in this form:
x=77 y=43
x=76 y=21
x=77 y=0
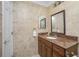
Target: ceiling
x=44 y=3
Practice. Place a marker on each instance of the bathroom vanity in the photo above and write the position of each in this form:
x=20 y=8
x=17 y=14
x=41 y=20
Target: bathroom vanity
x=61 y=46
x=57 y=44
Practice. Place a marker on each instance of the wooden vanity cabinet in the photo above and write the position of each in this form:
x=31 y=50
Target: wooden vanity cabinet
x=48 y=49
x=44 y=48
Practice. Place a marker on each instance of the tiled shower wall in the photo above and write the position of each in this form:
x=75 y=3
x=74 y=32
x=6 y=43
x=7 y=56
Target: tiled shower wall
x=25 y=18
x=0 y=28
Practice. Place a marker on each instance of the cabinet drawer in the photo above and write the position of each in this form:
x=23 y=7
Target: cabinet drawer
x=58 y=50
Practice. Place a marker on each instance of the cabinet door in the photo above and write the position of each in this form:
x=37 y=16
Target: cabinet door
x=49 y=52
x=39 y=47
x=58 y=51
x=56 y=54
x=44 y=50
x=72 y=50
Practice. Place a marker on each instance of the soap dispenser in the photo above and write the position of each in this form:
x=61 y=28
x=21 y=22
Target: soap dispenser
x=34 y=32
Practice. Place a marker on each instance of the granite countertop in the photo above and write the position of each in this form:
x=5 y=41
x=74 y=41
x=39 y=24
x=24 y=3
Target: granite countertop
x=61 y=41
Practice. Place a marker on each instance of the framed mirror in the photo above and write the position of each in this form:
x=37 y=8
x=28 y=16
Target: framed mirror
x=58 y=22
x=42 y=22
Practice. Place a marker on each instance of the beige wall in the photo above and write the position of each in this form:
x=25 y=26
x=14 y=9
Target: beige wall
x=0 y=28
x=25 y=18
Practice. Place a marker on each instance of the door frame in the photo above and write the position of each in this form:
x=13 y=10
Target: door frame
x=3 y=28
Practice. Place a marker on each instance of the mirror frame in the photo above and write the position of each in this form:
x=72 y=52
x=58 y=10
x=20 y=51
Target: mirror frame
x=64 y=23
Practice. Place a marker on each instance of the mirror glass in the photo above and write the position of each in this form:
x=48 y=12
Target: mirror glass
x=58 y=22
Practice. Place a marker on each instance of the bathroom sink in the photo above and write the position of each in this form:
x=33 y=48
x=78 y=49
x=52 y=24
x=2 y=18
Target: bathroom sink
x=51 y=37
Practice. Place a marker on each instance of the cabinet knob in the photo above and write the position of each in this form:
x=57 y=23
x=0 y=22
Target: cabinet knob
x=72 y=53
